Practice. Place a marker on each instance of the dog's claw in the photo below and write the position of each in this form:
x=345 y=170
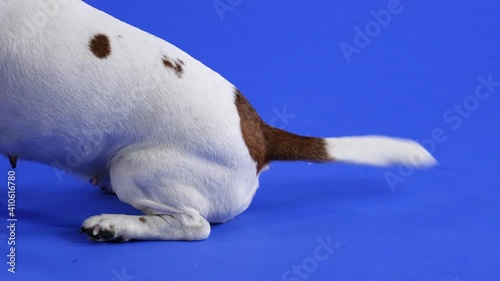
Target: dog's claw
x=102 y=235
x=90 y=233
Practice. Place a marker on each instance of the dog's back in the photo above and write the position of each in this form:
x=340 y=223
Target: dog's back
x=87 y=77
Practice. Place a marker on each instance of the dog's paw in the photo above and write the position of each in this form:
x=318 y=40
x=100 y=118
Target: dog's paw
x=105 y=228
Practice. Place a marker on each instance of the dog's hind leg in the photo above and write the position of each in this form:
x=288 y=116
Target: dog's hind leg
x=173 y=209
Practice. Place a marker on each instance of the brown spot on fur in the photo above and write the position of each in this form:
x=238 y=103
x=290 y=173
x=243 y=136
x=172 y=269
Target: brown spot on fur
x=100 y=46
x=267 y=144
x=291 y=147
x=13 y=161
x=253 y=129
x=177 y=66
x=142 y=219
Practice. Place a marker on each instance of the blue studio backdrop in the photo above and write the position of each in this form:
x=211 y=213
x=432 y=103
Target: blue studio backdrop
x=419 y=69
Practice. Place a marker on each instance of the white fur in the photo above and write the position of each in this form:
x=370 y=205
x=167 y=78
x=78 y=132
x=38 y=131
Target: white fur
x=170 y=146
x=379 y=151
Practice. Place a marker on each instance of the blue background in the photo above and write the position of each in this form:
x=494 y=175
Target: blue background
x=433 y=225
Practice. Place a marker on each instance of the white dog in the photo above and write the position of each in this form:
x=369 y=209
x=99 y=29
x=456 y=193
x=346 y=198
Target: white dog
x=83 y=91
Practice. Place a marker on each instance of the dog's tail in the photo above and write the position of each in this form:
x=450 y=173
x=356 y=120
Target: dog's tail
x=267 y=144
x=364 y=150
